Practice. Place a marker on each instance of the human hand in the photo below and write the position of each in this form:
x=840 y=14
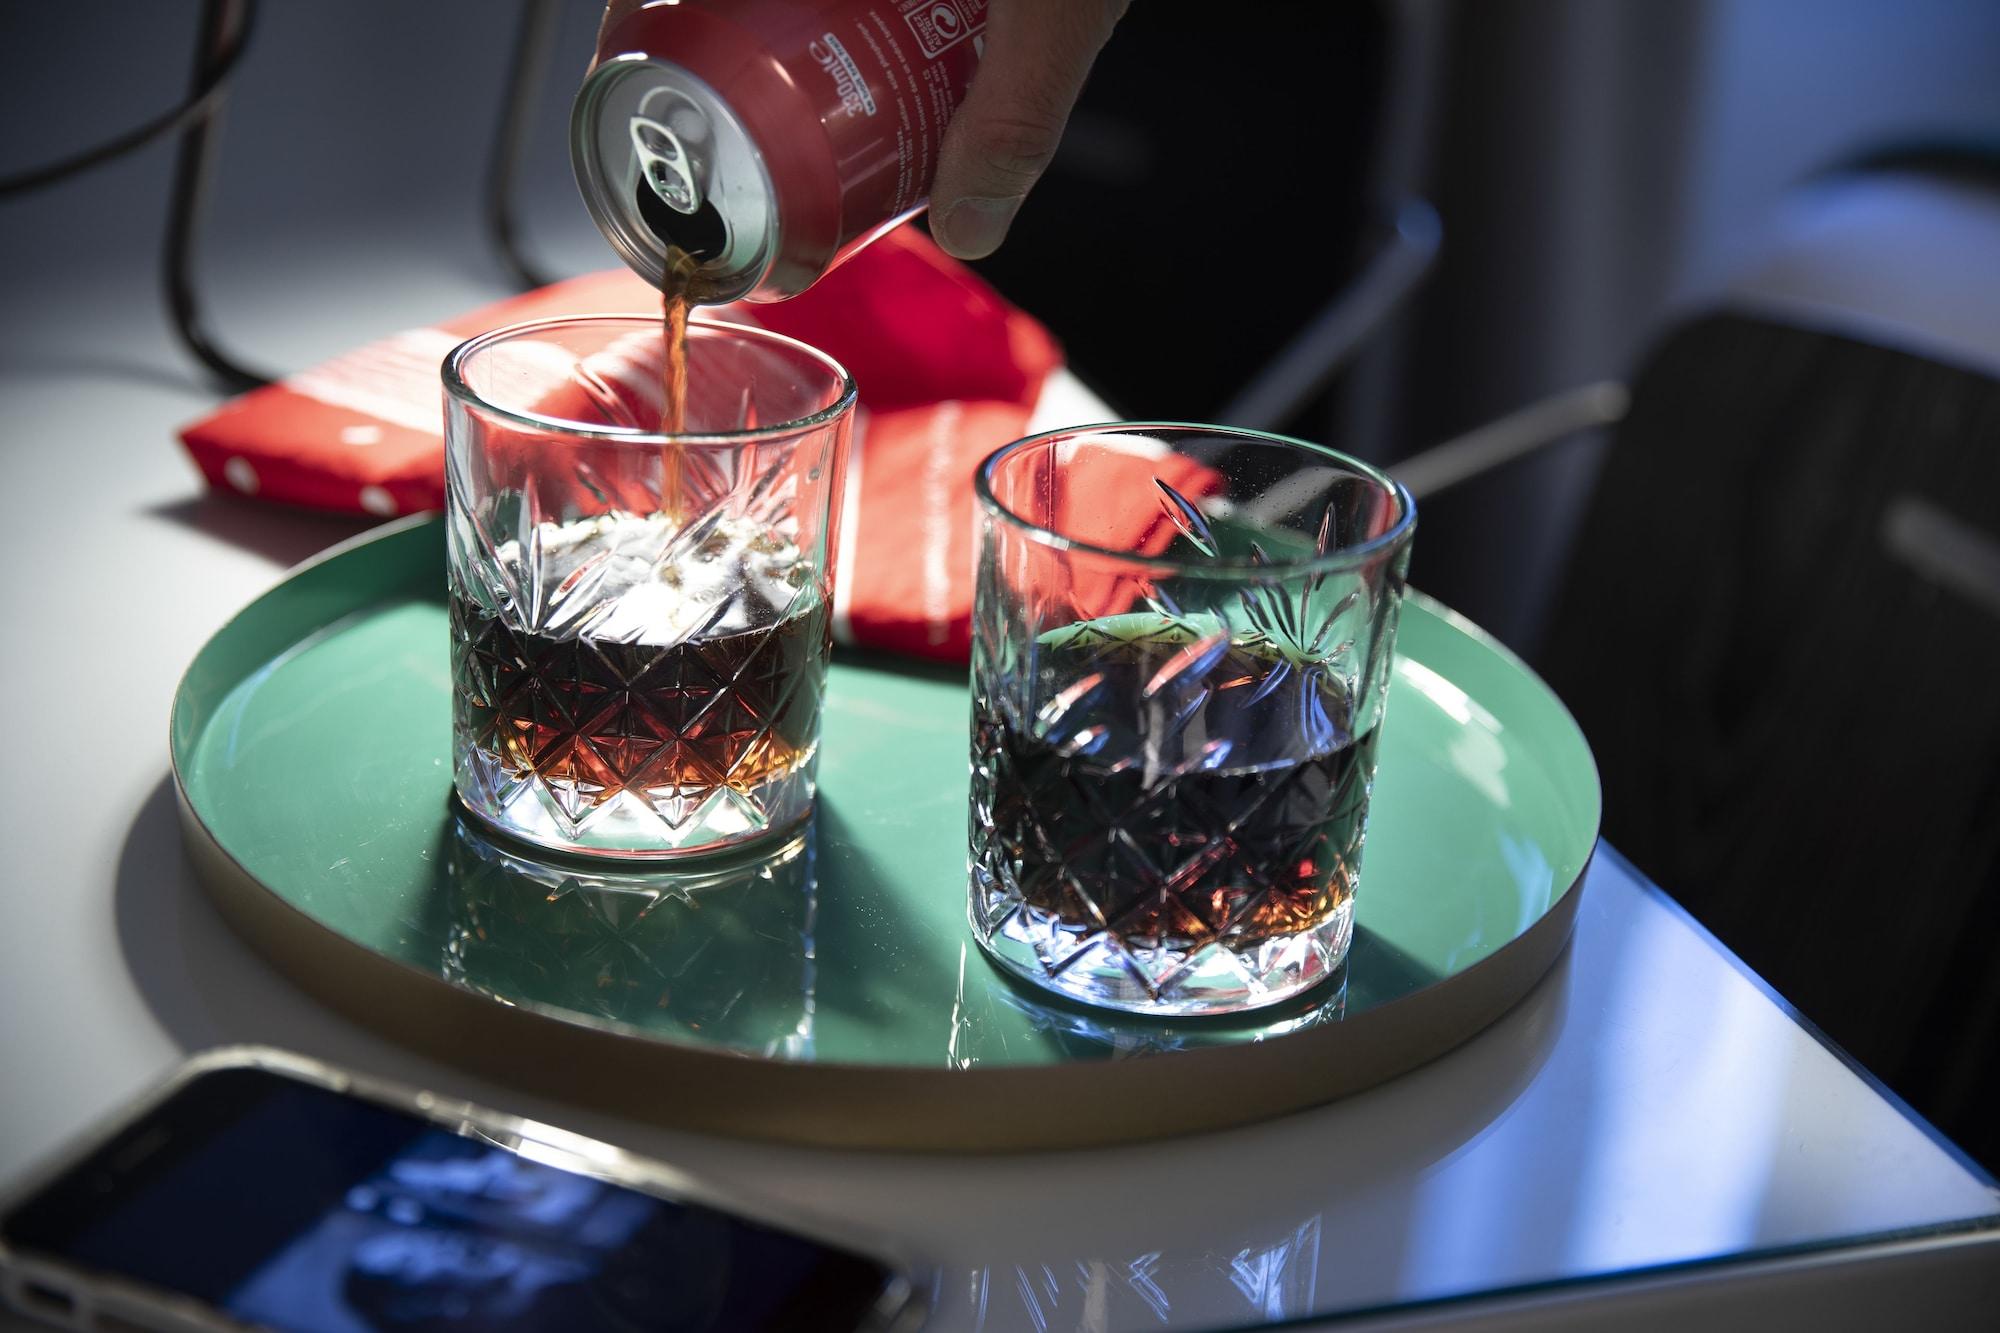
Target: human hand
x=1038 y=53
x=614 y=14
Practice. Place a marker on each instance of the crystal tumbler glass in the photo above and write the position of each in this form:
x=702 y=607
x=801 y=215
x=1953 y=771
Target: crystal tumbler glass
x=640 y=622
x=1181 y=650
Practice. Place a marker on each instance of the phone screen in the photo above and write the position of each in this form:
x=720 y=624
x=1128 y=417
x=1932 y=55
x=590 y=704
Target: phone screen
x=287 y=1204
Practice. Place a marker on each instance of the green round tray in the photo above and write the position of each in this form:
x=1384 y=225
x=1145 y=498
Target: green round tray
x=828 y=991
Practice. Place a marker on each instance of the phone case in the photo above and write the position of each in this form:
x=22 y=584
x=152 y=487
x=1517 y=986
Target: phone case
x=112 y=1304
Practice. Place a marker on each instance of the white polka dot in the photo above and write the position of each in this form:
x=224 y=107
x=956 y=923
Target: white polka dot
x=361 y=435
x=377 y=501
x=238 y=473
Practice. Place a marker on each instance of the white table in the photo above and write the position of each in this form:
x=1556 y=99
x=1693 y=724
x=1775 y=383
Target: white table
x=1650 y=1104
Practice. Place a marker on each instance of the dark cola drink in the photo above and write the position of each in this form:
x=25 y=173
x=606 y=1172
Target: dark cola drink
x=663 y=689
x=676 y=297
x=1123 y=837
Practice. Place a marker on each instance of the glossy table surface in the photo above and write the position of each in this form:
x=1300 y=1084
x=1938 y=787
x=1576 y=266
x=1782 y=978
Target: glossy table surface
x=1649 y=1103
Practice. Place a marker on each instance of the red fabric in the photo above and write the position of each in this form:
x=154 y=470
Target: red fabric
x=910 y=585
x=1110 y=498
x=916 y=327
x=948 y=372
x=364 y=433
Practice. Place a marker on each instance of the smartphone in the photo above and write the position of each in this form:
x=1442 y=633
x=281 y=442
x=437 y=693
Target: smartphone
x=258 y=1188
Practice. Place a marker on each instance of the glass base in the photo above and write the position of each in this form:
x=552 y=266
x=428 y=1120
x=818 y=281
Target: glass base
x=1095 y=967
x=654 y=823
x=716 y=950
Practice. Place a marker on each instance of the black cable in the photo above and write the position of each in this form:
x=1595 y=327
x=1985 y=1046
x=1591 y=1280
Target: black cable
x=197 y=105
x=223 y=24
x=526 y=73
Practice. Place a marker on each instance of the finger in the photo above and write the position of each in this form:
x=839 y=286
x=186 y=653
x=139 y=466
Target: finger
x=1038 y=53
x=615 y=12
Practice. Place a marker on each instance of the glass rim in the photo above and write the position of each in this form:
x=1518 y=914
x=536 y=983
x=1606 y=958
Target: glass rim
x=1342 y=557
x=456 y=386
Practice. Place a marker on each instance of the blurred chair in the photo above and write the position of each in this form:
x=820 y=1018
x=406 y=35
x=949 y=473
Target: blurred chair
x=1781 y=625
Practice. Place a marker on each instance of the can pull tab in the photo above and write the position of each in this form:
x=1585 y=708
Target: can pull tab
x=664 y=165
x=669 y=201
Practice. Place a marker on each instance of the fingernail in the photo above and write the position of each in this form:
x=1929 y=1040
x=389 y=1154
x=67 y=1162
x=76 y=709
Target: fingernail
x=974 y=228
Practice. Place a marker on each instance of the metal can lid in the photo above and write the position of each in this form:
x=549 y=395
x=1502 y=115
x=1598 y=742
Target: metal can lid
x=662 y=161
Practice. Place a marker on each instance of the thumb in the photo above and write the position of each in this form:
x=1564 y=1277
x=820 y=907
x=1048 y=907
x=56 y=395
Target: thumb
x=1037 y=55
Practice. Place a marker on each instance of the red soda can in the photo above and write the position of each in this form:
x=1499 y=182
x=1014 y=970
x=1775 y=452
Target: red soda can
x=769 y=139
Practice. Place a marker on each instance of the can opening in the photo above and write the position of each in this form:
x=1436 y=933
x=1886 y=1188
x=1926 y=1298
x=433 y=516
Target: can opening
x=702 y=233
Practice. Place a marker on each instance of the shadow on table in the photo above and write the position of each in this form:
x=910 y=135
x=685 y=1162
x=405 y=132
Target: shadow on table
x=282 y=534
x=204 y=984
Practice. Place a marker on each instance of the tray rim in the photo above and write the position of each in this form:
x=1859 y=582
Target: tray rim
x=846 y=1104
